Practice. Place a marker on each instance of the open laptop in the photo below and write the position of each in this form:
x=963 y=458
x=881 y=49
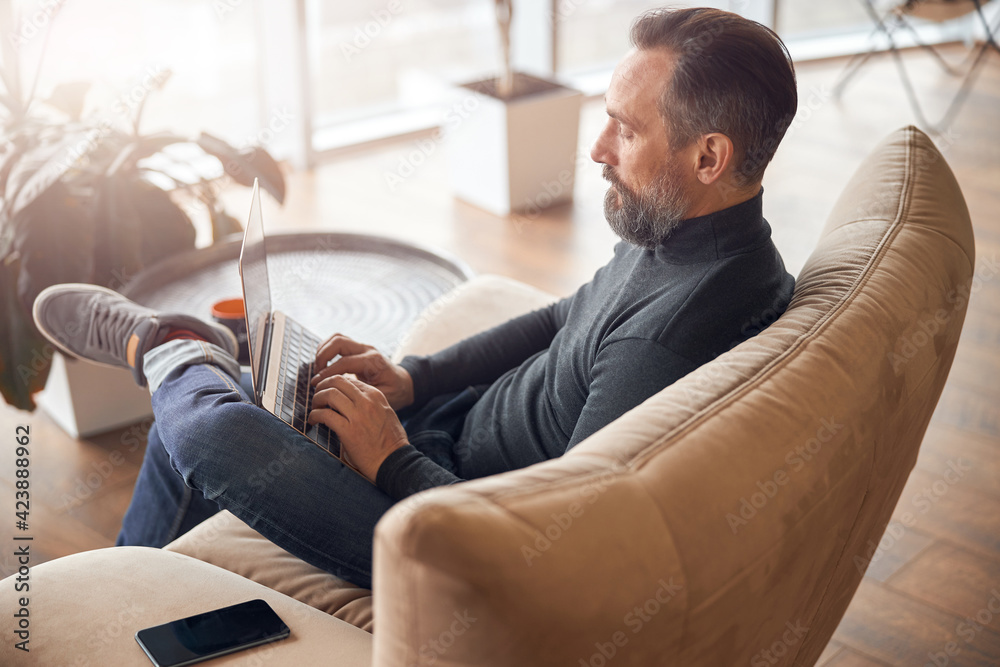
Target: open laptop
x=282 y=351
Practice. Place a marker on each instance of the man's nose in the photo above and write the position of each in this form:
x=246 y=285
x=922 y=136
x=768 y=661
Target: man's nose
x=600 y=153
x=595 y=151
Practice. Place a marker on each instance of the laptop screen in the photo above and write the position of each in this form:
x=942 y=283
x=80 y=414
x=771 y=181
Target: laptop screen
x=256 y=291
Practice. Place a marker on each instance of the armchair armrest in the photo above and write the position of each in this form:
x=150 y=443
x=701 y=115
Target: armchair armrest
x=482 y=303
x=536 y=566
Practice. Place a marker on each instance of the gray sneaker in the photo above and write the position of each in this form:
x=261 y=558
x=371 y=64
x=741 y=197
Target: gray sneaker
x=100 y=325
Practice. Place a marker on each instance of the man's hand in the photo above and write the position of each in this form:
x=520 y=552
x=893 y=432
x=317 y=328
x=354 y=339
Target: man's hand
x=368 y=365
x=360 y=415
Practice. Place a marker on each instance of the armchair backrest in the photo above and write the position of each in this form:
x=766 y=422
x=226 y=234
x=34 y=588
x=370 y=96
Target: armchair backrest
x=732 y=513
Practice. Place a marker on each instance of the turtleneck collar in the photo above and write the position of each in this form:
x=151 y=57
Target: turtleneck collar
x=724 y=233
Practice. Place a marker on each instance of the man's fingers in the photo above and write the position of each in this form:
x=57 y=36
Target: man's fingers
x=353 y=389
x=331 y=418
x=335 y=398
x=338 y=344
x=357 y=364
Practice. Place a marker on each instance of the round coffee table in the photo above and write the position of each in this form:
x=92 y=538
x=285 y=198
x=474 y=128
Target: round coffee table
x=370 y=288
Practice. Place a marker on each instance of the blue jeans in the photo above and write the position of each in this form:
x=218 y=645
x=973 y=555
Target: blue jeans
x=212 y=448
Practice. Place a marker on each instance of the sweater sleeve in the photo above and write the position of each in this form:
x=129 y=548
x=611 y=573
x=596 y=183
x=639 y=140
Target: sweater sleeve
x=484 y=357
x=479 y=359
x=407 y=471
x=625 y=374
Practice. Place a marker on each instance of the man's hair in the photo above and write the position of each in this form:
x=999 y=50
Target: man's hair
x=731 y=75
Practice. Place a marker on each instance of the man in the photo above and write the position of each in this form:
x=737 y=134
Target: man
x=696 y=111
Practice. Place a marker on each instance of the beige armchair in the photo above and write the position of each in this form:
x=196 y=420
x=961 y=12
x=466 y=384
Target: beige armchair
x=718 y=520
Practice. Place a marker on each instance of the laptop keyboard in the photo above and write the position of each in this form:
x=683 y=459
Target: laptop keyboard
x=294 y=391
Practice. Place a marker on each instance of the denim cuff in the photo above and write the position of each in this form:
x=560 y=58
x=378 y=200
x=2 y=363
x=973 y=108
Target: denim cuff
x=158 y=363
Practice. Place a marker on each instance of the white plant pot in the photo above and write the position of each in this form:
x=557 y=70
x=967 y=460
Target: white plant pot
x=514 y=155
x=86 y=399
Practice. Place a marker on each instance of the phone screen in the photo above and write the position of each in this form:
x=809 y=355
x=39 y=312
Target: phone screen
x=214 y=633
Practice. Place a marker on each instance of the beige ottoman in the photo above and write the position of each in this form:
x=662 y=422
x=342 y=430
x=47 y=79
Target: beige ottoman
x=85 y=608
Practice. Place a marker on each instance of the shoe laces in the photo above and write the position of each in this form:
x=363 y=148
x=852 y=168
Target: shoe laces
x=109 y=329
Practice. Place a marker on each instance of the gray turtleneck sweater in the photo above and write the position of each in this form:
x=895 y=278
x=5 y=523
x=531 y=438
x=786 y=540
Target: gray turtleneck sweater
x=554 y=376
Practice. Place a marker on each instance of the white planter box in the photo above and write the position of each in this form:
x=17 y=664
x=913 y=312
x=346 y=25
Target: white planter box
x=86 y=399
x=518 y=154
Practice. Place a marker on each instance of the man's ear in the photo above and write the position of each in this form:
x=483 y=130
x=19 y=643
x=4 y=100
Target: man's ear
x=715 y=153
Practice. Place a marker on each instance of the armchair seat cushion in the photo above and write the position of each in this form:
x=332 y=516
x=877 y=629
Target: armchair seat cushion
x=227 y=542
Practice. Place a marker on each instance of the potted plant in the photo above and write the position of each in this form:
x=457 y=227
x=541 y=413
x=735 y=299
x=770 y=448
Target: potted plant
x=516 y=152
x=91 y=199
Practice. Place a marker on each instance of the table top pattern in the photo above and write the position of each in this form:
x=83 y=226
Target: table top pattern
x=367 y=287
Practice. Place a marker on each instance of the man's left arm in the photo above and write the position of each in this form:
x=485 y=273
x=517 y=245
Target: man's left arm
x=626 y=373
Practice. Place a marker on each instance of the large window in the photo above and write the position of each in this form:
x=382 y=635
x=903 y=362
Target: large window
x=593 y=34
x=346 y=72
x=367 y=56
x=125 y=49
x=809 y=17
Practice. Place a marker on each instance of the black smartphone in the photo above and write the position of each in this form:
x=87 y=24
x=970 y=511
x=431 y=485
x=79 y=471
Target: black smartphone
x=214 y=633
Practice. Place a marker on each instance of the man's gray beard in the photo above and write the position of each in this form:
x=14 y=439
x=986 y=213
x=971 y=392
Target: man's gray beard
x=646 y=218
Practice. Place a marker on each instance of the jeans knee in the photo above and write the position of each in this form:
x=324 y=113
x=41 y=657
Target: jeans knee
x=208 y=451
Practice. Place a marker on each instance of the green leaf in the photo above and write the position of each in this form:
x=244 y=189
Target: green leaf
x=10 y=75
x=165 y=228
x=11 y=152
x=11 y=104
x=43 y=166
x=25 y=356
x=223 y=224
x=54 y=240
x=142 y=147
x=69 y=98
x=117 y=241
x=138 y=224
x=244 y=166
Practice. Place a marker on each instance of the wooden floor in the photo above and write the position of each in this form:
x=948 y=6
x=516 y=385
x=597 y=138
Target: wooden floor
x=930 y=577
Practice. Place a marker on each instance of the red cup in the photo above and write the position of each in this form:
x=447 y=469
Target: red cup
x=230 y=313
